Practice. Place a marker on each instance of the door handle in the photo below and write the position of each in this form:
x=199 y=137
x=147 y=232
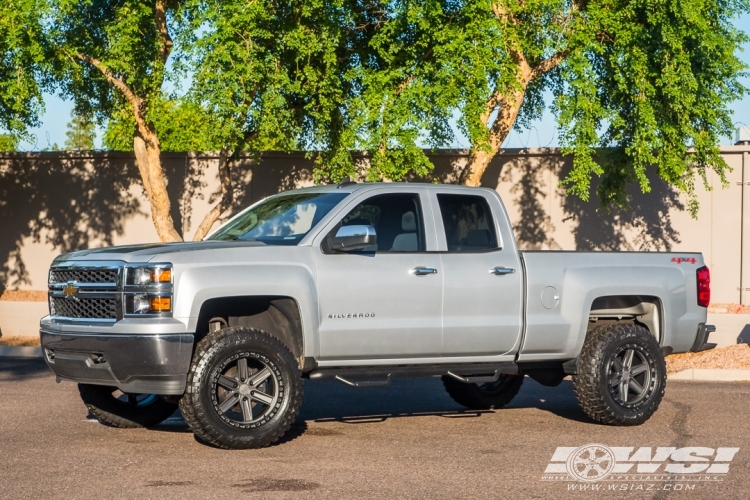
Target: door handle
x=502 y=270
x=422 y=271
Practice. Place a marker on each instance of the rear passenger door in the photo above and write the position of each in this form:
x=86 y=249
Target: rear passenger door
x=482 y=277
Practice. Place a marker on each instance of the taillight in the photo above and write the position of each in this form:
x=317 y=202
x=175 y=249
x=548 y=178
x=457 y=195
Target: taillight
x=704 y=286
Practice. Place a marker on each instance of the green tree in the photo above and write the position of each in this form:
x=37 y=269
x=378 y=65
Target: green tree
x=8 y=142
x=271 y=75
x=80 y=134
x=263 y=74
x=646 y=79
x=180 y=124
x=113 y=61
x=23 y=64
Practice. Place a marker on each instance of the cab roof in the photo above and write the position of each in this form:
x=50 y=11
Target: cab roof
x=357 y=186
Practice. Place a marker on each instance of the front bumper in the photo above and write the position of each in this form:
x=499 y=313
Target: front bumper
x=142 y=363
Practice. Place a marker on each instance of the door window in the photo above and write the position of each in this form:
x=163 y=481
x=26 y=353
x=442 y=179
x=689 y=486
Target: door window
x=397 y=220
x=468 y=223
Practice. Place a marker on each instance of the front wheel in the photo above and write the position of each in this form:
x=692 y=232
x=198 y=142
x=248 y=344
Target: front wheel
x=621 y=376
x=118 y=409
x=244 y=389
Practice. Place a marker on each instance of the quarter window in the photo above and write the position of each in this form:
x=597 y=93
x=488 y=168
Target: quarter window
x=467 y=221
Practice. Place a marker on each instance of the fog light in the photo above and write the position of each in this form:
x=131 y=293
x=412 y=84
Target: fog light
x=161 y=304
x=140 y=304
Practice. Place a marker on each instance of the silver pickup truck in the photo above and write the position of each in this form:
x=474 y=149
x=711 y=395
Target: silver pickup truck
x=362 y=283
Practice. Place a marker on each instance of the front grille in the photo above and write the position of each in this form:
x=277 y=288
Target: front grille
x=83 y=275
x=84 y=308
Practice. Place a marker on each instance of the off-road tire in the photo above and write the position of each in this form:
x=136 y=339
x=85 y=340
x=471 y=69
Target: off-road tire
x=102 y=403
x=593 y=385
x=483 y=396
x=201 y=404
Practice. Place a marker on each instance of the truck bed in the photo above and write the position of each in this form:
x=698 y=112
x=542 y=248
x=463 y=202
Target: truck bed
x=561 y=284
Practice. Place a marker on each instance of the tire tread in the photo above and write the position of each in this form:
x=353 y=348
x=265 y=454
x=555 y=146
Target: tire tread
x=586 y=382
x=195 y=413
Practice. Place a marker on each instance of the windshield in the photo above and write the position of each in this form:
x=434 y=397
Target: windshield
x=280 y=220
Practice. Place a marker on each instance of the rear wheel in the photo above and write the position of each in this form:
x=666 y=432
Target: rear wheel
x=483 y=396
x=621 y=376
x=118 y=409
x=244 y=389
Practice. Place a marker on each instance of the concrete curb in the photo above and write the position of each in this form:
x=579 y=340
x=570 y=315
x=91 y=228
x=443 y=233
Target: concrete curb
x=21 y=318
x=711 y=375
x=20 y=352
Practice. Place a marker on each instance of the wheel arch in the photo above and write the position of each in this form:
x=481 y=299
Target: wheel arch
x=643 y=310
x=277 y=315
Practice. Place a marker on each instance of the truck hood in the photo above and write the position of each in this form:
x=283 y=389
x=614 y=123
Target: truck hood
x=147 y=252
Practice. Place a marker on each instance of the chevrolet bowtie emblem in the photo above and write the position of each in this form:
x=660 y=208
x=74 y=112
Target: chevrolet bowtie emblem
x=70 y=290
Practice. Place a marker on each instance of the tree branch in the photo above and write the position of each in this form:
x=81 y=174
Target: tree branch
x=227 y=191
x=515 y=51
x=160 y=16
x=554 y=60
x=227 y=196
x=508 y=102
x=402 y=86
x=550 y=63
x=135 y=101
x=113 y=80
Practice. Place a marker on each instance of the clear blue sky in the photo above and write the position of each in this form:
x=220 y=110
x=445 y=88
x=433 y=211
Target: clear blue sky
x=58 y=111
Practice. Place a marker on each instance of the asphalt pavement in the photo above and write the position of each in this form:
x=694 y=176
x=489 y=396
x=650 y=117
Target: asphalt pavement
x=407 y=440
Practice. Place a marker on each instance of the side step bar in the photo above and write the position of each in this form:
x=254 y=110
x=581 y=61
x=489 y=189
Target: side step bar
x=375 y=376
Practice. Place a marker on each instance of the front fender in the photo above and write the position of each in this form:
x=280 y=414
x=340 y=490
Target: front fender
x=295 y=280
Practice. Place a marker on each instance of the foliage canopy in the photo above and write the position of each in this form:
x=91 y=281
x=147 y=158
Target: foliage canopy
x=648 y=80
x=634 y=84
x=23 y=64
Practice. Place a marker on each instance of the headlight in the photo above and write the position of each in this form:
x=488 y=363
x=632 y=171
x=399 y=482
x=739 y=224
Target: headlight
x=149 y=275
x=148 y=289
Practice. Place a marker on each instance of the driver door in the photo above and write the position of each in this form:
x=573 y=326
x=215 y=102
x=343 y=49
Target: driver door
x=383 y=301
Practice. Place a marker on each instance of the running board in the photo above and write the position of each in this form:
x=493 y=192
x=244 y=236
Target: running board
x=474 y=379
x=376 y=376
x=364 y=383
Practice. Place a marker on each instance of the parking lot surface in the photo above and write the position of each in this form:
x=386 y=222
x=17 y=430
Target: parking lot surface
x=407 y=440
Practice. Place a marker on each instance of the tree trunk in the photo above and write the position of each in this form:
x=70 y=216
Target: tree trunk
x=147 y=155
x=145 y=140
x=510 y=105
x=227 y=196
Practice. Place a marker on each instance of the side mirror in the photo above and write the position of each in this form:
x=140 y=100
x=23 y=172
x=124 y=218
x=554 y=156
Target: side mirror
x=353 y=238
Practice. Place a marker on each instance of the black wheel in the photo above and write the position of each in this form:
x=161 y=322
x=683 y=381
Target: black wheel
x=118 y=409
x=244 y=389
x=621 y=375
x=483 y=396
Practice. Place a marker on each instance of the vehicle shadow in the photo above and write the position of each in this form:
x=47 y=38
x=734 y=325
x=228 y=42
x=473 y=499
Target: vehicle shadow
x=15 y=369
x=328 y=401
x=331 y=401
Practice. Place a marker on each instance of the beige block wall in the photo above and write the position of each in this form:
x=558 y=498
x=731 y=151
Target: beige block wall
x=57 y=202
